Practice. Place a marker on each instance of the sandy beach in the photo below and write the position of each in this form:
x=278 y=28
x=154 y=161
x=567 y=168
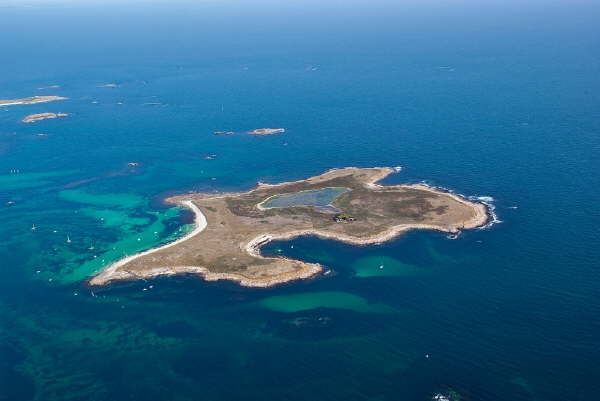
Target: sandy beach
x=110 y=273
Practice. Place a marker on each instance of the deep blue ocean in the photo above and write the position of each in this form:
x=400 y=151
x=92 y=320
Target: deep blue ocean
x=496 y=100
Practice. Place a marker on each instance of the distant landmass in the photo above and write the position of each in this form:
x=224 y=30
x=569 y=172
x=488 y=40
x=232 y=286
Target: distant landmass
x=48 y=87
x=32 y=118
x=31 y=100
x=267 y=131
x=258 y=131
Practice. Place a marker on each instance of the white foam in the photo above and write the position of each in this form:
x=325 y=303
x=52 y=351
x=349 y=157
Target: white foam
x=485 y=198
x=491 y=209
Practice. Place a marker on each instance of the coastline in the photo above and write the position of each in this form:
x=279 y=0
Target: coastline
x=107 y=273
x=110 y=273
x=252 y=247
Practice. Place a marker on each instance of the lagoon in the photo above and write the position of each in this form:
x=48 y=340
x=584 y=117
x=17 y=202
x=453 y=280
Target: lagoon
x=320 y=198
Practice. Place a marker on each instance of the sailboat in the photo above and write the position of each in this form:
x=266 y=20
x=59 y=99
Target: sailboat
x=68 y=240
x=33 y=227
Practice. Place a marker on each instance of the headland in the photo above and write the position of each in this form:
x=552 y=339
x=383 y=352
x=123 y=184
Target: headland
x=231 y=227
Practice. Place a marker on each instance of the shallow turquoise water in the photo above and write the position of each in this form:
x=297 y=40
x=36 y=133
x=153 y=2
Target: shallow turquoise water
x=498 y=100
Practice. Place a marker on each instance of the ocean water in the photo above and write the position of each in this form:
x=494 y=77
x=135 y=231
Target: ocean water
x=498 y=101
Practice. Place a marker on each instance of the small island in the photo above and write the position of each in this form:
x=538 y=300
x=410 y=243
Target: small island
x=258 y=131
x=266 y=131
x=32 y=118
x=342 y=204
x=31 y=100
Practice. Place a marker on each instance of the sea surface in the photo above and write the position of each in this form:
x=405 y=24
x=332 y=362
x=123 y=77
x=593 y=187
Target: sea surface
x=499 y=101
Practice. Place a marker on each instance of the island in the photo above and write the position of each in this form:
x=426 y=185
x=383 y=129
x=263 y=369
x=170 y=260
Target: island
x=266 y=131
x=343 y=204
x=31 y=100
x=258 y=131
x=32 y=118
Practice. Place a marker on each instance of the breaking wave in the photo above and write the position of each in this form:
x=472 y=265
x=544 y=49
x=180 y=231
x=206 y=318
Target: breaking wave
x=488 y=201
